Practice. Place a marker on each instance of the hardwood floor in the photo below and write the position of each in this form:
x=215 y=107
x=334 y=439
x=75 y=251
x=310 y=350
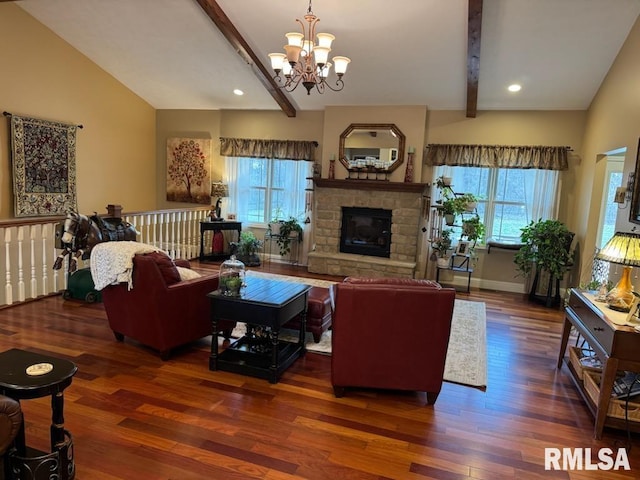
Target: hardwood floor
x=134 y=417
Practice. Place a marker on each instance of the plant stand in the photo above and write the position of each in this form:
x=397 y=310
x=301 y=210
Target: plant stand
x=459 y=264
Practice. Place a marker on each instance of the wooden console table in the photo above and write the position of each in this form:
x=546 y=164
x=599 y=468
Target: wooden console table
x=617 y=347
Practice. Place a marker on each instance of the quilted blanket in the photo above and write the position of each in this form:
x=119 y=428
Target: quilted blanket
x=112 y=262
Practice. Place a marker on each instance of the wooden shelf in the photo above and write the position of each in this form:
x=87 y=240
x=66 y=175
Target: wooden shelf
x=381 y=185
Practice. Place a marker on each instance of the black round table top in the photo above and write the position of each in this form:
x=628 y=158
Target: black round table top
x=47 y=375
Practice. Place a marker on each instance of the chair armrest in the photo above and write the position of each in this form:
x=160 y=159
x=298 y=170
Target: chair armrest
x=10 y=421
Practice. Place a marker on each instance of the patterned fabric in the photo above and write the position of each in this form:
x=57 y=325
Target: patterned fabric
x=498 y=156
x=112 y=262
x=255 y=148
x=44 y=166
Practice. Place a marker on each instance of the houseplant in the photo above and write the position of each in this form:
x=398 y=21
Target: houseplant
x=246 y=249
x=464 y=203
x=441 y=246
x=288 y=229
x=546 y=244
x=473 y=229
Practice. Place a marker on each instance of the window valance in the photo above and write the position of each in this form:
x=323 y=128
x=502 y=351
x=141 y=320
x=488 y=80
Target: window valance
x=498 y=156
x=257 y=148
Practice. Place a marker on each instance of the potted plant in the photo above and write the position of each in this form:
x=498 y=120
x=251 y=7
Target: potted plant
x=246 y=249
x=288 y=229
x=441 y=246
x=449 y=212
x=473 y=229
x=546 y=244
x=466 y=202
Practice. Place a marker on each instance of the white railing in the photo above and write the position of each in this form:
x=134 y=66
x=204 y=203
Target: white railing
x=30 y=248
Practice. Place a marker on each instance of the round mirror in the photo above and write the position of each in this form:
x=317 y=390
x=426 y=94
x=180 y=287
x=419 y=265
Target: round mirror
x=372 y=147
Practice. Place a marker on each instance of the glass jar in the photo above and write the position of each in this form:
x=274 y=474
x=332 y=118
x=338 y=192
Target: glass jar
x=231 y=279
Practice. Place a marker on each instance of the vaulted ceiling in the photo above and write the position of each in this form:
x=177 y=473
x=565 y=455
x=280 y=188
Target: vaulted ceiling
x=407 y=52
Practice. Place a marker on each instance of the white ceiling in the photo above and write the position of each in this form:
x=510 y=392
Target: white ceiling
x=403 y=52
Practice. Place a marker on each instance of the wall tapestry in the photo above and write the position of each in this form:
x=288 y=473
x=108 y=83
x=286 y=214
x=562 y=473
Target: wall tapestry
x=44 y=166
x=188 y=170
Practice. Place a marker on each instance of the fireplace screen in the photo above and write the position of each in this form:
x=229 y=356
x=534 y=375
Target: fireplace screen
x=366 y=231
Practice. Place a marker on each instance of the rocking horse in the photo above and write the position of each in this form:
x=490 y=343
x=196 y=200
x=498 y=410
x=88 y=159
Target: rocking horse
x=81 y=233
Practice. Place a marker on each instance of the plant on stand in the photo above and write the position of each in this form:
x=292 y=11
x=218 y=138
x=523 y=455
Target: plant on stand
x=246 y=249
x=289 y=229
x=441 y=246
x=547 y=246
x=473 y=229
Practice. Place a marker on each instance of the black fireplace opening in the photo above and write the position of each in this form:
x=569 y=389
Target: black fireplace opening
x=366 y=231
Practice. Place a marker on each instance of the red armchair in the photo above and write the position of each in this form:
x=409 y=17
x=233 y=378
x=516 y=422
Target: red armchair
x=10 y=424
x=161 y=311
x=390 y=333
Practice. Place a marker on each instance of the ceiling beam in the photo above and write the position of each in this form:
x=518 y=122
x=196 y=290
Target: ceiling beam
x=473 y=55
x=228 y=29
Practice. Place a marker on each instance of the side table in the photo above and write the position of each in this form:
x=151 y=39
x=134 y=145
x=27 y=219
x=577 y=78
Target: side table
x=27 y=375
x=214 y=227
x=264 y=305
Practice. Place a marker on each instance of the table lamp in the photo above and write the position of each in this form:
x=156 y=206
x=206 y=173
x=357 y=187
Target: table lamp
x=220 y=190
x=622 y=249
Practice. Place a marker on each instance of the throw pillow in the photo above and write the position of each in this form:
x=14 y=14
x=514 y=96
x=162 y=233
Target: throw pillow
x=187 y=273
x=167 y=268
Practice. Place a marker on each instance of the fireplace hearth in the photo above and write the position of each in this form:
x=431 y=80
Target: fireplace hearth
x=366 y=231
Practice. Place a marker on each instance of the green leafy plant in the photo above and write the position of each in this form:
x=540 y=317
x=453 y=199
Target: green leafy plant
x=443 y=243
x=473 y=229
x=246 y=249
x=460 y=203
x=288 y=228
x=546 y=244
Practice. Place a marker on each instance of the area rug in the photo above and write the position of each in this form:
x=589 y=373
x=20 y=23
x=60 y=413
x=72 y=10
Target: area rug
x=466 y=361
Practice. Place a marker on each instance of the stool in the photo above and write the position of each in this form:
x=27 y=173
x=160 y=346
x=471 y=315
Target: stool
x=318 y=313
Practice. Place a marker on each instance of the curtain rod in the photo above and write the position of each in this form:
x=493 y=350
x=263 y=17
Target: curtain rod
x=8 y=114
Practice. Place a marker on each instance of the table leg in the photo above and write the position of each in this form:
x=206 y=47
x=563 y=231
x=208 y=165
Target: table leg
x=213 y=358
x=566 y=330
x=57 y=421
x=303 y=328
x=606 y=386
x=201 y=245
x=273 y=368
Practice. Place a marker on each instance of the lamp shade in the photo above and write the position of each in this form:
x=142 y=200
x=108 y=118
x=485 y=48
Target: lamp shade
x=219 y=189
x=623 y=248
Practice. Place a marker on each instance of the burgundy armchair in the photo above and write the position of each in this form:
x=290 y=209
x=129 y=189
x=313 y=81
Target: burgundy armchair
x=161 y=311
x=10 y=423
x=390 y=333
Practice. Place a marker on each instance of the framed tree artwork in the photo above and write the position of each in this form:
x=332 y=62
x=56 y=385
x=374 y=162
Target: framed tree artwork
x=188 y=170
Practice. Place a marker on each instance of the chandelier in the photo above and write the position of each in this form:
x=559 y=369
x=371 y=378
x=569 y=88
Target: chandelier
x=305 y=62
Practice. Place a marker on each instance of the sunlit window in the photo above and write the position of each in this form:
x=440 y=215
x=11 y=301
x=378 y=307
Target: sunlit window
x=261 y=189
x=509 y=198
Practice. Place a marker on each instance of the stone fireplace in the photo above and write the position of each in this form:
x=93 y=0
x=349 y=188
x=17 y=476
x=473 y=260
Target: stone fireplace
x=405 y=202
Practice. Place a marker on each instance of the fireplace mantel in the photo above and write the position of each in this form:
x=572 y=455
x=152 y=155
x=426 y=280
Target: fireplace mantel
x=380 y=185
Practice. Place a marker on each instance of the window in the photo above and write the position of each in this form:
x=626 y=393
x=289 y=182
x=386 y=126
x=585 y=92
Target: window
x=608 y=208
x=261 y=189
x=509 y=198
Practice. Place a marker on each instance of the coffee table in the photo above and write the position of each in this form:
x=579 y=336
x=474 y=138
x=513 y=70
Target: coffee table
x=26 y=375
x=264 y=305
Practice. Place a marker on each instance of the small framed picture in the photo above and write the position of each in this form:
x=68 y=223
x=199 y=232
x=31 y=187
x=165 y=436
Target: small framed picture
x=463 y=247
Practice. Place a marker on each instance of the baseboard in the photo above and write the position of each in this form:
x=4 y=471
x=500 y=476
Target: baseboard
x=460 y=282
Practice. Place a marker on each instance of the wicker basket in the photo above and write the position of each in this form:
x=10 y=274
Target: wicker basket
x=616 y=405
x=575 y=354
